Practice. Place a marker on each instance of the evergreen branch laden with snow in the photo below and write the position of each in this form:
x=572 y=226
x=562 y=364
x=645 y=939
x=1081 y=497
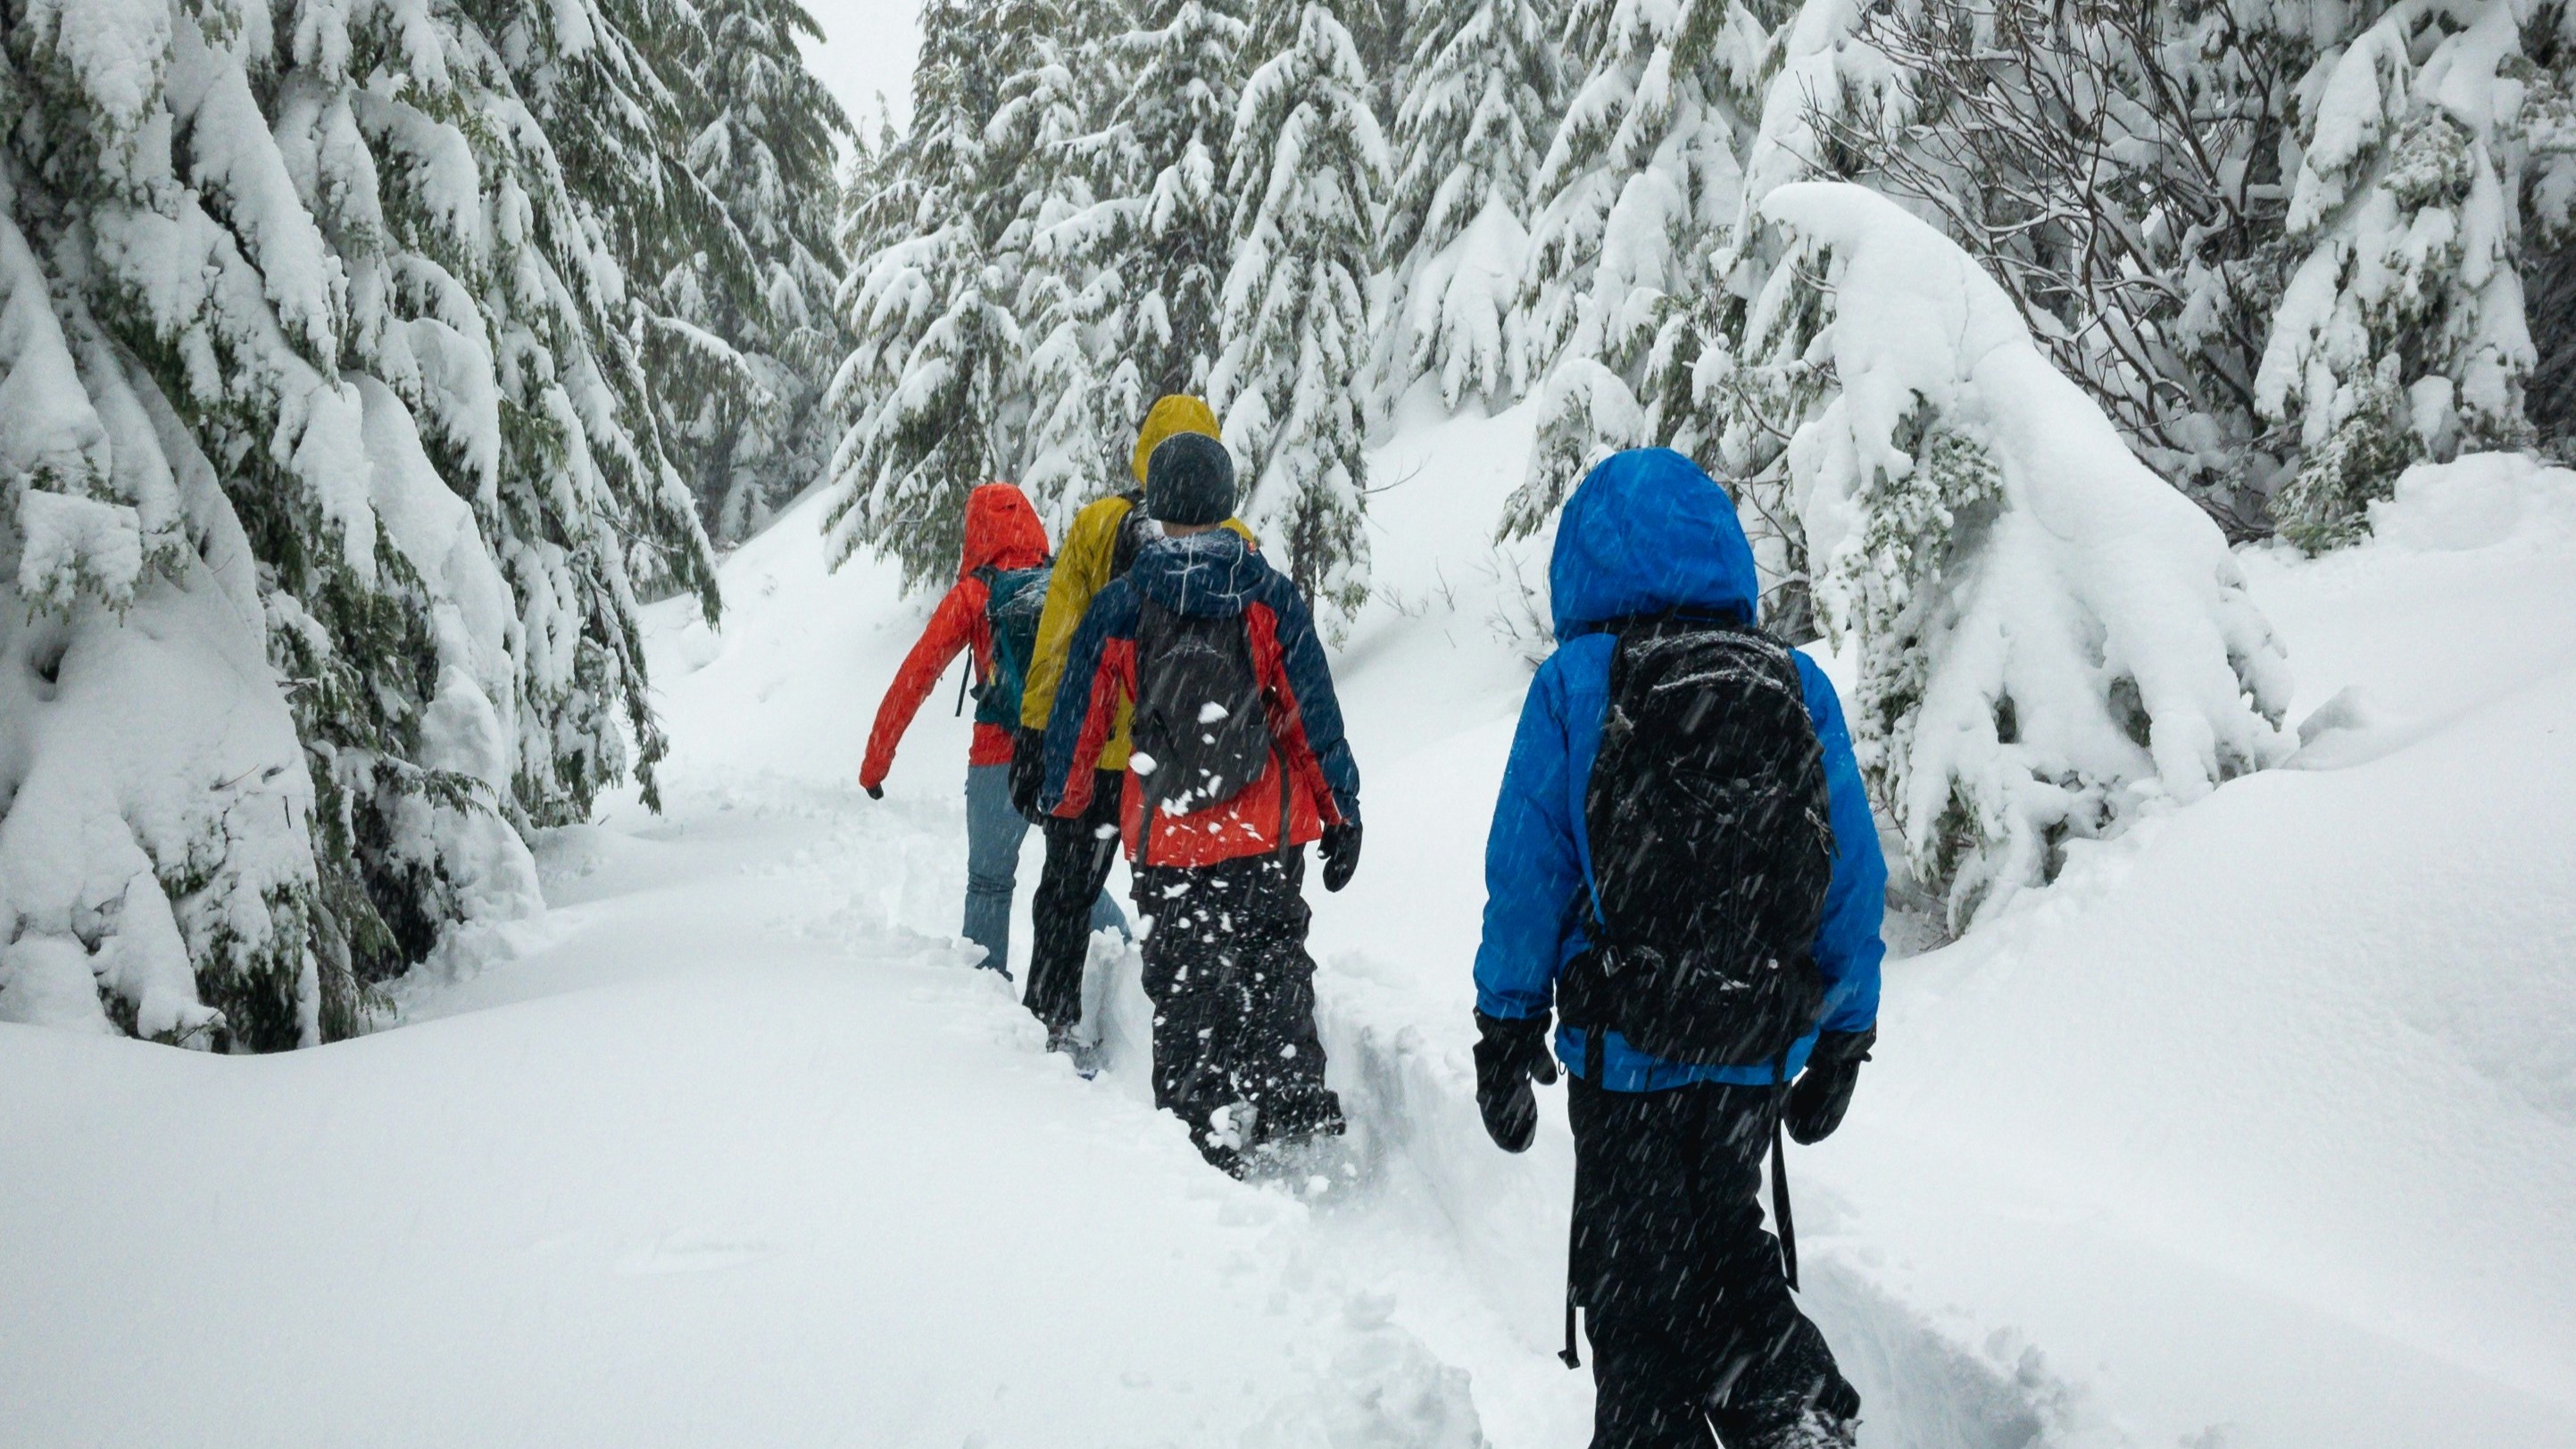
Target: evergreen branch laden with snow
x=2051 y=639
x=2403 y=334
x=334 y=461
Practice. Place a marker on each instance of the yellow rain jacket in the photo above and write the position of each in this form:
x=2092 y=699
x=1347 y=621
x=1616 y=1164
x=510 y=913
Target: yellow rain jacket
x=1082 y=567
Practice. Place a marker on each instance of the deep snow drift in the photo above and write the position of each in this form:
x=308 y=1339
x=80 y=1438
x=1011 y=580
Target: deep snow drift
x=2256 y=1129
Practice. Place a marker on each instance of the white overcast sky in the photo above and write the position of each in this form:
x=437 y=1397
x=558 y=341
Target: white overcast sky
x=868 y=48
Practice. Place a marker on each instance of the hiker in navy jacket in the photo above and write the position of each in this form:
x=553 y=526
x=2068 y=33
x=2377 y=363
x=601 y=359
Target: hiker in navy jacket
x=1690 y=1314
x=1236 y=1055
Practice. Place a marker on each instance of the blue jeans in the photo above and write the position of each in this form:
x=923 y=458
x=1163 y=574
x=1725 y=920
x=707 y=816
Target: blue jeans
x=993 y=834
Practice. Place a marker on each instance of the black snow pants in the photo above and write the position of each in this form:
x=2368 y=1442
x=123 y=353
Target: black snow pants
x=1691 y=1319
x=1234 y=1004
x=1078 y=856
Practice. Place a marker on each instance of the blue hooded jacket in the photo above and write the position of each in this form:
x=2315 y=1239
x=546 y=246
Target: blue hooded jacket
x=1647 y=532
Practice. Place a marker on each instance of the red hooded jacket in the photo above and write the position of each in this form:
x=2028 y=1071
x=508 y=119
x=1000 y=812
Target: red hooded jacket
x=1002 y=530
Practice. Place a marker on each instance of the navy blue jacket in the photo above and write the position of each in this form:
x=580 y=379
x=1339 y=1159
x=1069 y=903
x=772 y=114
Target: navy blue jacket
x=1214 y=574
x=1647 y=531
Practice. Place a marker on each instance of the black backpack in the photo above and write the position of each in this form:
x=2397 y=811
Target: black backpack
x=1712 y=848
x=1200 y=719
x=1135 y=530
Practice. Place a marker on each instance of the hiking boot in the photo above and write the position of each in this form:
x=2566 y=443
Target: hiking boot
x=1299 y=1116
x=1812 y=1429
x=1322 y=1166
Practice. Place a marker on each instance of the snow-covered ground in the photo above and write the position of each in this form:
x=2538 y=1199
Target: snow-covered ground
x=2257 y=1129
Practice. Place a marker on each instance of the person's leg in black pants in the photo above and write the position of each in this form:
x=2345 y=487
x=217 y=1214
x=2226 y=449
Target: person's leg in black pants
x=1277 y=1061
x=1234 y=1003
x=1079 y=854
x=1691 y=1320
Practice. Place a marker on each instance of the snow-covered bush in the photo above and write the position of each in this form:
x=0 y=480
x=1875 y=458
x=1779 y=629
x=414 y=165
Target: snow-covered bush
x=2402 y=334
x=1309 y=167
x=2114 y=165
x=2050 y=637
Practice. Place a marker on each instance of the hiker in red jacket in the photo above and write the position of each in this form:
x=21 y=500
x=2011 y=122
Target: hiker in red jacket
x=1005 y=554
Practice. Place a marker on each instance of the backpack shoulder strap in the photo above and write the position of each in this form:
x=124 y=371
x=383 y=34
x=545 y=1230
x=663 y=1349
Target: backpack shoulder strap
x=1130 y=538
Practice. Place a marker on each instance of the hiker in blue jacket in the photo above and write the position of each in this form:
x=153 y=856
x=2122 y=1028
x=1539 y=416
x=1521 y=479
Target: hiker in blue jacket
x=1687 y=1296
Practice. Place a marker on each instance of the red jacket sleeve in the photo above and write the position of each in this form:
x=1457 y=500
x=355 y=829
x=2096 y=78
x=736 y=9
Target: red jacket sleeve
x=958 y=623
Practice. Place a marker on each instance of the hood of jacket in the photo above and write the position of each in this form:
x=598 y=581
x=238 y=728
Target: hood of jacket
x=1002 y=530
x=1211 y=574
x=1648 y=531
x=1171 y=414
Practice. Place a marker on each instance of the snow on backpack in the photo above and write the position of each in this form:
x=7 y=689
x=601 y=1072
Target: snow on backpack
x=1013 y=600
x=1201 y=730
x=1711 y=849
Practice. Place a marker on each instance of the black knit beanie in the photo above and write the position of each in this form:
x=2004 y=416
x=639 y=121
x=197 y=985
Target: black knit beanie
x=1189 y=480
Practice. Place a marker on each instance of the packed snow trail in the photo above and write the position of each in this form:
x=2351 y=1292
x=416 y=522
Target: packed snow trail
x=708 y=1166
x=2254 y=1131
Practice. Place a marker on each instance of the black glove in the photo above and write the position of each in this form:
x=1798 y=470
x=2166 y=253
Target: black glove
x=1028 y=773
x=1508 y=1055
x=1823 y=1092
x=875 y=792
x=1341 y=853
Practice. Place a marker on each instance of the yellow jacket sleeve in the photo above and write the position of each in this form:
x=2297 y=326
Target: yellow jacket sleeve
x=1081 y=567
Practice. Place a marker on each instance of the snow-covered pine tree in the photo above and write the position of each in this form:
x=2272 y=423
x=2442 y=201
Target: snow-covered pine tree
x=763 y=132
x=2548 y=126
x=156 y=866
x=1385 y=33
x=1821 y=85
x=1061 y=71
x=1308 y=168
x=499 y=246
x=1482 y=94
x=334 y=322
x=2402 y=334
x=875 y=195
x=1634 y=193
x=607 y=81
x=209 y=311
x=928 y=385
x=1175 y=211
x=2050 y=638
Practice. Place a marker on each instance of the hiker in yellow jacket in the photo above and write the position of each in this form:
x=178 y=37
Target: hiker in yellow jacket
x=1097 y=548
